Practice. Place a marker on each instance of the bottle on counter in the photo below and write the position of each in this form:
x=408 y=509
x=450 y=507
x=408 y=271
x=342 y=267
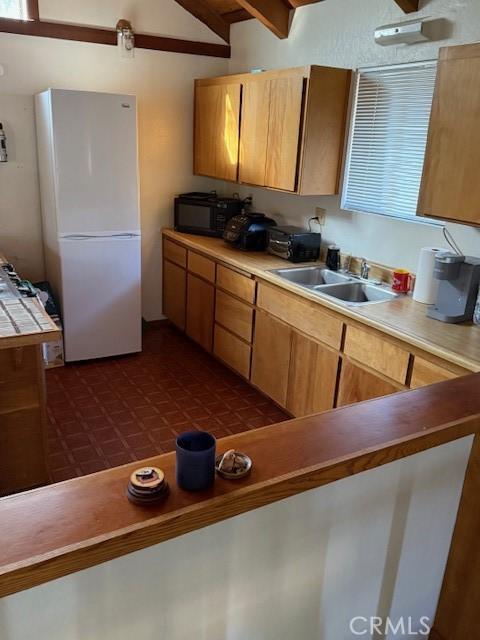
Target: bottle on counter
x=333 y=257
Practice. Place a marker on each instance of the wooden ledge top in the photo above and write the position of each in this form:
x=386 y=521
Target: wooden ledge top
x=53 y=531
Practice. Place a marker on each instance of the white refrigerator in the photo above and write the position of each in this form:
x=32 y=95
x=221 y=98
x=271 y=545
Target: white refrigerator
x=87 y=153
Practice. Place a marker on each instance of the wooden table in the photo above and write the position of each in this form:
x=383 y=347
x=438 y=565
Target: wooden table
x=24 y=326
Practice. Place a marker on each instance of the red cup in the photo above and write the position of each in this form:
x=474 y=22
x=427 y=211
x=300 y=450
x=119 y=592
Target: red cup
x=402 y=281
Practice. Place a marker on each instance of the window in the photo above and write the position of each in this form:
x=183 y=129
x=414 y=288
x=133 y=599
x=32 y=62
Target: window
x=19 y=9
x=387 y=141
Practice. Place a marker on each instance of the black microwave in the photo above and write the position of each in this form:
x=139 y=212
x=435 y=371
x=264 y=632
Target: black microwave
x=204 y=214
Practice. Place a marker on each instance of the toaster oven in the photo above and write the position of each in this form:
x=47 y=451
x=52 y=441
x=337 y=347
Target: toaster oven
x=294 y=244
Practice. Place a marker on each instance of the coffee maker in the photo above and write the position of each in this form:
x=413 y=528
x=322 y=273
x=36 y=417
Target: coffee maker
x=459 y=278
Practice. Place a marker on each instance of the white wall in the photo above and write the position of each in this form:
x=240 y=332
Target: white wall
x=163 y=83
x=340 y=33
x=20 y=216
x=373 y=544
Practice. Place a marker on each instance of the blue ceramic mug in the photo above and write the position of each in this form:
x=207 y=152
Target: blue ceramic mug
x=195 y=468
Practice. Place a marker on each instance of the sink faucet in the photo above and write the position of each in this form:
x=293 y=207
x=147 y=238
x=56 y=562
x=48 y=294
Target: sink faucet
x=364 y=269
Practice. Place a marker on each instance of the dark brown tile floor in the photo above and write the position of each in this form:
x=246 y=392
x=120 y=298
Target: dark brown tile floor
x=106 y=413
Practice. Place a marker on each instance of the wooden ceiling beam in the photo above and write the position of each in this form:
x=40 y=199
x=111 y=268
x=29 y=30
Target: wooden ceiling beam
x=302 y=3
x=236 y=16
x=408 y=6
x=274 y=14
x=109 y=36
x=204 y=12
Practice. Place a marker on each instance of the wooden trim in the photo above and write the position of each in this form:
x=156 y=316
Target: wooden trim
x=408 y=6
x=241 y=78
x=83 y=522
x=206 y=14
x=108 y=36
x=302 y=3
x=457 y=612
x=434 y=635
x=32 y=9
x=460 y=52
x=236 y=16
x=274 y=14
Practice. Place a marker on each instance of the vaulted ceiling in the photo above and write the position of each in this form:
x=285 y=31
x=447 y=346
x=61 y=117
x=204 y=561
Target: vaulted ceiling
x=274 y=14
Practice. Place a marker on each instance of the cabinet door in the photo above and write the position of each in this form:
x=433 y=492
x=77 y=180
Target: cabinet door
x=450 y=186
x=200 y=310
x=312 y=377
x=271 y=357
x=254 y=132
x=357 y=384
x=174 y=292
x=217 y=120
x=284 y=129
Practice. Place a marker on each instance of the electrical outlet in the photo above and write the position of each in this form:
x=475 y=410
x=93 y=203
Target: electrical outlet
x=321 y=214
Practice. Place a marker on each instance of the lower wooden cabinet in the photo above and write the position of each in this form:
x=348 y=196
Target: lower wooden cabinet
x=174 y=293
x=312 y=377
x=22 y=419
x=357 y=384
x=200 y=311
x=234 y=352
x=271 y=357
x=305 y=358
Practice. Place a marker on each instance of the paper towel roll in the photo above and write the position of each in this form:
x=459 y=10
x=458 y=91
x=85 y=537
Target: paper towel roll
x=426 y=285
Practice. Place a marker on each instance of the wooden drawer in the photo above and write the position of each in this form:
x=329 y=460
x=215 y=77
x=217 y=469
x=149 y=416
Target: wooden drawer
x=233 y=351
x=241 y=286
x=175 y=253
x=377 y=353
x=302 y=314
x=234 y=315
x=425 y=373
x=201 y=266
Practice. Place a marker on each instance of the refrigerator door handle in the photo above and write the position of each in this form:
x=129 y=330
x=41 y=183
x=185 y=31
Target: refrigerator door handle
x=86 y=236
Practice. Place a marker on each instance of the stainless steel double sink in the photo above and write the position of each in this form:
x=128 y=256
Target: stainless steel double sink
x=342 y=287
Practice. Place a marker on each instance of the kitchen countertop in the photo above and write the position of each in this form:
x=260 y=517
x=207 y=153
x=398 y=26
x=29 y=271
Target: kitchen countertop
x=402 y=318
x=59 y=529
x=24 y=322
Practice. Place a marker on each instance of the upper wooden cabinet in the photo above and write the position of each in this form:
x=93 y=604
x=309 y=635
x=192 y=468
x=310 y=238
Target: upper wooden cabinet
x=450 y=187
x=270 y=134
x=217 y=125
x=292 y=128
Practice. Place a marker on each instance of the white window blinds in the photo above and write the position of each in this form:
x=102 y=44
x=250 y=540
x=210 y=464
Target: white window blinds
x=16 y=9
x=387 y=140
